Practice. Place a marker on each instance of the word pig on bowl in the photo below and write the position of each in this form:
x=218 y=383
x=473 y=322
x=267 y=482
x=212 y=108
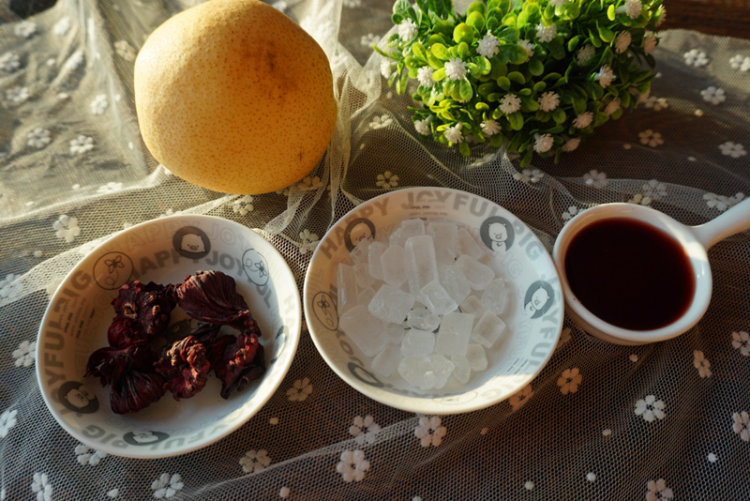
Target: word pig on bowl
x=164 y=251
x=433 y=301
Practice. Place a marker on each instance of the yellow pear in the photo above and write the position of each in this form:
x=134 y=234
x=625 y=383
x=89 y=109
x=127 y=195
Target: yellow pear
x=233 y=96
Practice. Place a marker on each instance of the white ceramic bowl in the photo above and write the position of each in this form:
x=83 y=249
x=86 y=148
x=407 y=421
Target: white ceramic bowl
x=531 y=336
x=164 y=250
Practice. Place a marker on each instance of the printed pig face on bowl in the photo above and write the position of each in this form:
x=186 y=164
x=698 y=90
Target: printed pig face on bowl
x=433 y=300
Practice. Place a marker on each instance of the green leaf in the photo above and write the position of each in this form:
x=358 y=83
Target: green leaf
x=605 y=33
x=502 y=82
x=516 y=120
x=559 y=116
x=484 y=64
x=557 y=49
x=465 y=90
x=419 y=51
x=517 y=54
x=517 y=76
x=440 y=51
x=540 y=86
x=486 y=88
x=494 y=97
x=529 y=105
x=463 y=33
x=477 y=6
x=498 y=70
x=573 y=43
x=526 y=159
x=536 y=67
x=525 y=92
x=481 y=106
x=463 y=50
x=464 y=149
x=611 y=12
x=438 y=74
x=476 y=20
x=579 y=105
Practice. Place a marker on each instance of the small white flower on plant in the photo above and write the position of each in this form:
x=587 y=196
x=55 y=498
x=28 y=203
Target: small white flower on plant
x=300 y=390
x=86 y=456
x=353 y=465
x=569 y=380
x=549 y=101
x=386 y=180
x=701 y=363
x=571 y=144
x=595 y=179
x=605 y=76
x=10 y=62
x=254 y=461
x=7 y=421
x=741 y=425
x=386 y=67
x=658 y=490
x=423 y=126
x=488 y=45
x=430 y=431
x=633 y=8
x=424 y=76
x=583 y=120
x=25 y=29
x=650 y=408
x=696 y=58
x=510 y=103
x=364 y=429
x=455 y=69
x=732 y=149
x=490 y=127
x=585 y=54
x=17 y=94
x=528 y=46
x=453 y=134
x=99 y=104
x=649 y=42
x=713 y=95
x=407 y=30
x=543 y=143
x=650 y=138
x=622 y=42
x=66 y=228
x=166 y=486
x=25 y=354
x=41 y=486
x=612 y=106
x=81 y=144
x=546 y=34
x=741 y=342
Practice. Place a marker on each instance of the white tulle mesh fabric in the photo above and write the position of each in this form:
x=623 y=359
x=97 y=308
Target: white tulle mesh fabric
x=589 y=442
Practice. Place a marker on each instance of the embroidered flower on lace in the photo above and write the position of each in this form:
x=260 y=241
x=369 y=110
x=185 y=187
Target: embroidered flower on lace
x=605 y=76
x=740 y=63
x=529 y=175
x=368 y=40
x=166 y=486
x=380 y=122
x=254 y=461
x=364 y=429
x=453 y=134
x=569 y=380
x=695 y=58
x=549 y=101
x=546 y=34
x=732 y=149
x=25 y=354
x=640 y=199
x=714 y=95
x=424 y=76
x=353 y=465
x=741 y=425
x=7 y=421
x=543 y=143
x=510 y=103
x=10 y=62
x=125 y=50
x=17 y=94
x=41 y=486
x=284 y=492
x=66 y=228
x=81 y=144
x=657 y=490
x=519 y=399
x=300 y=390
x=61 y=27
x=25 y=29
x=407 y=30
x=488 y=45
x=650 y=409
x=650 y=138
x=701 y=363
x=570 y=213
x=430 y=431
x=622 y=41
x=387 y=180
x=38 y=138
x=656 y=103
x=113 y=493
x=9 y=286
x=741 y=342
x=584 y=54
x=721 y=202
x=243 y=205
x=99 y=104
x=455 y=69
x=654 y=189
x=75 y=60
x=308 y=241
x=110 y=187
x=87 y=456
x=595 y=179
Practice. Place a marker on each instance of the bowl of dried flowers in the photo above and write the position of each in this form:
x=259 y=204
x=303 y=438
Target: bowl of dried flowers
x=533 y=76
x=168 y=336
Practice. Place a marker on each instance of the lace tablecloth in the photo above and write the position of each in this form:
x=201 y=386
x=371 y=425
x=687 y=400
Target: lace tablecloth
x=663 y=421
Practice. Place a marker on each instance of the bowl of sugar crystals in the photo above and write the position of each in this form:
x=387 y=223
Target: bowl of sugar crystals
x=433 y=300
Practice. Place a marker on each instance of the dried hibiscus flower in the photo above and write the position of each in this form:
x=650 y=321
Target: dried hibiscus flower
x=149 y=304
x=237 y=361
x=185 y=367
x=211 y=296
x=135 y=390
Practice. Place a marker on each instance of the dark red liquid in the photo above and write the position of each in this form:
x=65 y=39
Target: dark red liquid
x=630 y=274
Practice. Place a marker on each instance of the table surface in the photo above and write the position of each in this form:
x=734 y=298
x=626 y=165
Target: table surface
x=662 y=421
